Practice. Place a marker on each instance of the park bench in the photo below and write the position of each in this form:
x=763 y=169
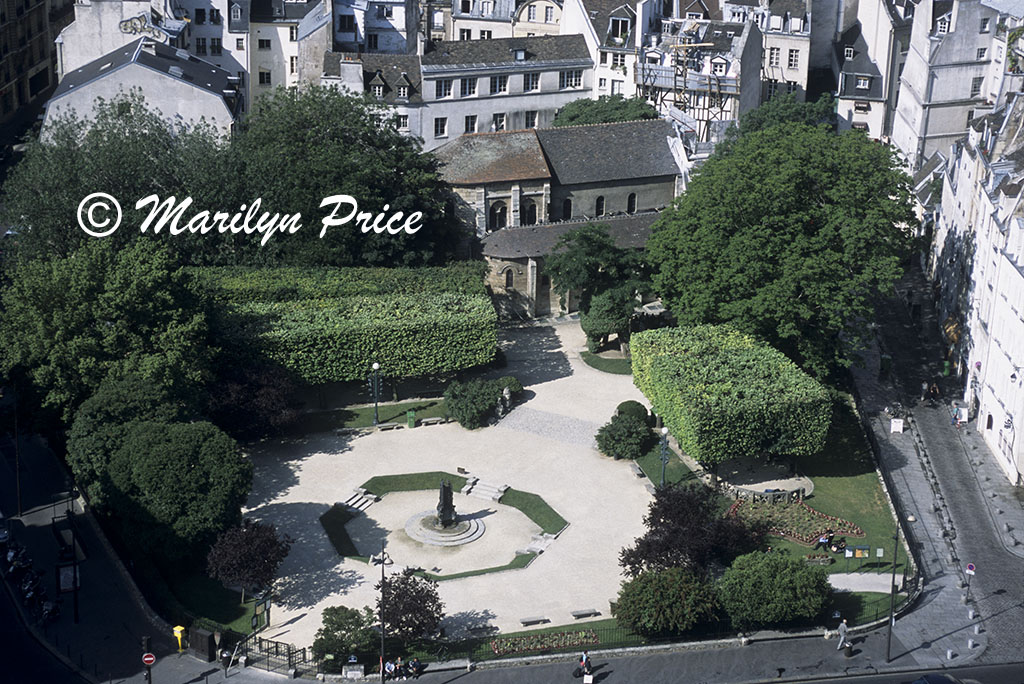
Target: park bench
x=389 y=426
x=651 y=488
x=586 y=612
x=637 y=470
x=432 y=421
x=533 y=621
x=461 y=471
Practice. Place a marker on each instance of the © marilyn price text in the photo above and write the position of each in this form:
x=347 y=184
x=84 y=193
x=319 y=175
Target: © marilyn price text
x=99 y=215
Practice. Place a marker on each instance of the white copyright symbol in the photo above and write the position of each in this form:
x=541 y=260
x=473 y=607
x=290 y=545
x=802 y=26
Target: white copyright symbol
x=88 y=220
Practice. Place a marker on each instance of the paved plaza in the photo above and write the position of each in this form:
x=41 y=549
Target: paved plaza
x=545 y=446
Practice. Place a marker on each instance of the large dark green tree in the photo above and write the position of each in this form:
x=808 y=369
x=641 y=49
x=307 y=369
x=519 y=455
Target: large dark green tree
x=605 y=109
x=248 y=555
x=781 y=109
x=663 y=602
x=789 y=235
x=412 y=606
x=70 y=321
x=345 y=631
x=300 y=146
x=587 y=261
x=761 y=589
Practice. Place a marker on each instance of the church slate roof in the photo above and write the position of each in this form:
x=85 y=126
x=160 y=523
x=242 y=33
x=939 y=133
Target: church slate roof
x=628 y=231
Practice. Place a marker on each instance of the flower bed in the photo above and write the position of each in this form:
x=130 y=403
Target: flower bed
x=796 y=521
x=547 y=641
x=819 y=559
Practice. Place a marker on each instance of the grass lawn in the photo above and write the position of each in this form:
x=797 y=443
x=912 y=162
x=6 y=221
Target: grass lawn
x=616 y=366
x=861 y=607
x=520 y=561
x=675 y=470
x=210 y=599
x=536 y=509
x=326 y=421
x=409 y=482
x=846 y=486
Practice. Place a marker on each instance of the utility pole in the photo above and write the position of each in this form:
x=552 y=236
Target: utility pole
x=892 y=595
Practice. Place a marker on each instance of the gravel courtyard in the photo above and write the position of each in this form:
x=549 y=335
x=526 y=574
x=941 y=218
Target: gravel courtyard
x=544 y=446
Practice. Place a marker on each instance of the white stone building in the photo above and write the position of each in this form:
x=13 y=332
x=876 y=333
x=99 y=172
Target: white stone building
x=378 y=26
x=786 y=29
x=482 y=19
x=537 y=18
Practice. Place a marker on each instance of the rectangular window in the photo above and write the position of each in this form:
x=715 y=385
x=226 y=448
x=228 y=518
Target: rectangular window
x=976 y=85
x=216 y=48
x=848 y=53
x=485 y=35
x=485 y=7
x=791 y=86
x=531 y=119
x=467 y=6
x=499 y=122
x=403 y=122
x=236 y=13
x=602 y=83
x=264 y=78
x=604 y=57
x=293 y=65
x=440 y=127
x=385 y=11
x=531 y=13
x=570 y=79
x=718 y=68
x=618 y=60
x=774 y=56
x=984 y=24
x=531 y=82
x=794 y=59
x=403 y=92
x=982 y=53
x=465 y=34
x=371 y=41
x=443 y=88
x=549 y=15
x=214 y=16
x=620 y=27
x=200 y=46
x=617 y=87
x=264 y=44
x=347 y=23
x=200 y=16
x=376 y=89
x=293 y=33
x=499 y=84
x=470 y=124
x=863 y=82
x=467 y=87
x=239 y=43
x=771 y=86
x=862 y=107
x=942 y=25
x=694 y=15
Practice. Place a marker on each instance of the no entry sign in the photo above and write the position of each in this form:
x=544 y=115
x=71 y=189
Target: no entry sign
x=148 y=659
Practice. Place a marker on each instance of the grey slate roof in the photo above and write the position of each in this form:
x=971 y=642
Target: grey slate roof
x=500 y=51
x=607 y=152
x=628 y=230
x=600 y=13
x=195 y=71
x=480 y=158
x=270 y=11
x=1015 y=8
x=859 y=65
x=242 y=25
x=395 y=70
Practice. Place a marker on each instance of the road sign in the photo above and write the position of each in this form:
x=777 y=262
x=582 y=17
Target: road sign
x=148 y=659
x=970 y=568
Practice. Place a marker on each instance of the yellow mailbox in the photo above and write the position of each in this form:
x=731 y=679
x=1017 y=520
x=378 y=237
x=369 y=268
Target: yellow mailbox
x=178 y=631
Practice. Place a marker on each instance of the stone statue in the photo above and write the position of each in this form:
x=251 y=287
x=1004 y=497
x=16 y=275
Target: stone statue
x=445 y=507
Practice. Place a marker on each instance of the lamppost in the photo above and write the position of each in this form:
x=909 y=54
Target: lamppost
x=383 y=561
x=664 y=453
x=375 y=388
x=892 y=594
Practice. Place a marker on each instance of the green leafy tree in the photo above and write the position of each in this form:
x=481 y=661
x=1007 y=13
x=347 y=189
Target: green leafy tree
x=587 y=261
x=663 y=602
x=345 y=631
x=625 y=436
x=762 y=589
x=784 y=108
x=128 y=150
x=605 y=109
x=686 y=529
x=70 y=321
x=609 y=313
x=248 y=555
x=298 y=147
x=412 y=606
x=176 y=486
x=789 y=236
x=473 y=402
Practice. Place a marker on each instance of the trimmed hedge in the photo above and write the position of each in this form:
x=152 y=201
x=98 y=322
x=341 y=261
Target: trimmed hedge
x=243 y=285
x=473 y=402
x=330 y=340
x=723 y=393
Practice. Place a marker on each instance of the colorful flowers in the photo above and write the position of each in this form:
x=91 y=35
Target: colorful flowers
x=796 y=521
x=548 y=641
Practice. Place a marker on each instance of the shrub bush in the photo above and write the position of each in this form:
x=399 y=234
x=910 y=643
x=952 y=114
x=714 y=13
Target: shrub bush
x=625 y=436
x=661 y=602
x=761 y=589
x=633 y=408
x=473 y=402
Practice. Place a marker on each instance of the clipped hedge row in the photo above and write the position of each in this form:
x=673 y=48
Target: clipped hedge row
x=724 y=394
x=244 y=285
x=331 y=340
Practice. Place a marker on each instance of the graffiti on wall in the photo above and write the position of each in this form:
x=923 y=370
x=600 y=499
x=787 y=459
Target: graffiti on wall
x=141 y=26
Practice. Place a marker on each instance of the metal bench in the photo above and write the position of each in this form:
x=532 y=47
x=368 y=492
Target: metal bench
x=533 y=621
x=637 y=470
x=389 y=426
x=587 y=612
x=432 y=421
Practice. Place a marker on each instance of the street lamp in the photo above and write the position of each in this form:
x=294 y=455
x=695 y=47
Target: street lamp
x=383 y=560
x=375 y=388
x=892 y=594
x=664 y=453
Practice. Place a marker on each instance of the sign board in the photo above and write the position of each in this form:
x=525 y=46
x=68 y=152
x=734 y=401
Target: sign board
x=255 y=622
x=148 y=659
x=68 y=577
x=879 y=553
x=849 y=553
x=861 y=551
x=896 y=425
x=970 y=569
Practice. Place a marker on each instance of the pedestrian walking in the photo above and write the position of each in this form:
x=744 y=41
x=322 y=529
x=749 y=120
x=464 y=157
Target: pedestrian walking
x=924 y=390
x=842 y=634
x=955 y=421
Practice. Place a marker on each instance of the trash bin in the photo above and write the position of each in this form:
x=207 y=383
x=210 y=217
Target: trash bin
x=848 y=650
x=410 y=418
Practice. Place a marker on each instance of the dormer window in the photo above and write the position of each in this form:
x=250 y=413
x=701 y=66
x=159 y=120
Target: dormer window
x=694 y=15
x=775 y=24
x=848 y=53
x=236 y=13
x=863 y=82
x=619 y=27
x=519 y=55
x=378 y=91
x=942 y=25
x=719 y=67
x=403 y=92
